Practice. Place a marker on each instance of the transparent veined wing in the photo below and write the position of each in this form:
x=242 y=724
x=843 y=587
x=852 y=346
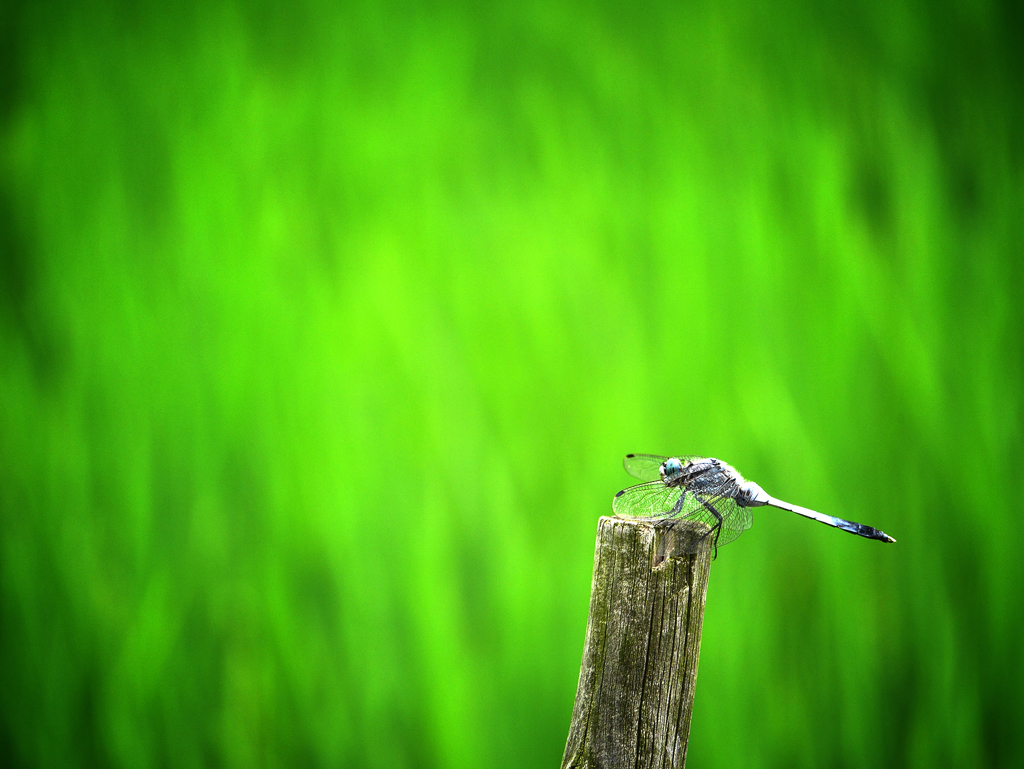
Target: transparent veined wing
x=643 y=466
x=700 y=530
x=648 y=500
x=656 y=500
x=735 y=519
x=691 y=515
x=646 y=466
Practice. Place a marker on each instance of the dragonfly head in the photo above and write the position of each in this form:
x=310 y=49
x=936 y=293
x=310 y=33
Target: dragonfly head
x=751 y=495
x=670 y=469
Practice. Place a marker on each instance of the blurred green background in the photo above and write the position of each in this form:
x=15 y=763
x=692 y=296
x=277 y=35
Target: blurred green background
x=324 y=328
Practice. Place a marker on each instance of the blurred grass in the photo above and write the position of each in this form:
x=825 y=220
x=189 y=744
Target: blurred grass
x=323 y=330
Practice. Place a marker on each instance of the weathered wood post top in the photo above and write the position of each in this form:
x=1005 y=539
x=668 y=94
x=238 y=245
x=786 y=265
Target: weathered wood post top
x=639 y=668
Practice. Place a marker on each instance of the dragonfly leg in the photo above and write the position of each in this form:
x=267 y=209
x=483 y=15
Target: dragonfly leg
x=717 y=528
x=678 y=505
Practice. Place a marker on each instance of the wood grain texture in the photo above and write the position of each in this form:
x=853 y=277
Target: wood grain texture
x=639 y=668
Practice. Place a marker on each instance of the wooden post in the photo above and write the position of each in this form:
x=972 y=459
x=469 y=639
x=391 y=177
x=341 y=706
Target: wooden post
x=635 y=693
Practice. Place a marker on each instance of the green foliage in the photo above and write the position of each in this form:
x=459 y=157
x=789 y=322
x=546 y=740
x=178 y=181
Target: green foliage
x=323 y=331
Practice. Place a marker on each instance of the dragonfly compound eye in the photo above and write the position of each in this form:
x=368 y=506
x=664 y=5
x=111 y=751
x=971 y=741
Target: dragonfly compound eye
x=670 y=469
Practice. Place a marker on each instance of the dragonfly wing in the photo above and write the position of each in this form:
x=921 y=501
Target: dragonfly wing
x=647 y=500
x=735 y=519
x=643 y=466
x=691 y=514
x=698 y=523
x=646 y=467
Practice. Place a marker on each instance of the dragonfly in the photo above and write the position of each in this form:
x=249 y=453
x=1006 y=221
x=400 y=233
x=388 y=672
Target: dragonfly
x=710 y=497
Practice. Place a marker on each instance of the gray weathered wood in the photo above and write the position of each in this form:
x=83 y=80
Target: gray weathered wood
x=639 y=667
